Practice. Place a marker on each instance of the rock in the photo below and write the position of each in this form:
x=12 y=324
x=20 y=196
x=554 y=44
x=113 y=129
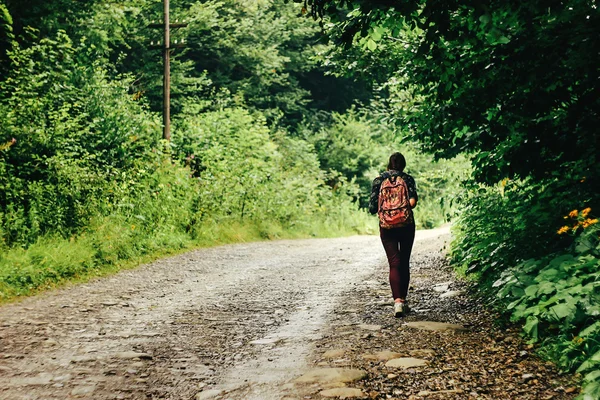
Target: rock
x=392 y=376
x=109 y=303
x=405 y=362
x=368 y=327
x=334 y=353
x=421 y=353
x=435 y=326
x=451 y=293
x=42 y=379
x=137 y=364
x=265 y=341
x=208 y=394
x=527 y=377
x=331 y=375
x=83 y=390
x=425 y=393
x=62 y=378
x=382 y=355
x=129 y=355
x=50 y=342
x=342 y=393
x=442 y=287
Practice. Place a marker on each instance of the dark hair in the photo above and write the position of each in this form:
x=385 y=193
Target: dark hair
x=397 y=162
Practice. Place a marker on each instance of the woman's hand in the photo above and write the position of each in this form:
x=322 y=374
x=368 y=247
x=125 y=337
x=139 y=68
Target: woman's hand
x=412 y=202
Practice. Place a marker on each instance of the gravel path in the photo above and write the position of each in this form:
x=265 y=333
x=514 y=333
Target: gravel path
x=244 y=321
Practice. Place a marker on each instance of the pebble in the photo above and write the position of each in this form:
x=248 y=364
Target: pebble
x=331 y=375
x=83 y=390
x=382 y=355
x=527 y=377
x=208 y=394
x=406 y=362
x=450 y=294
x=368 y=327
x=434 y=326
x=265 y=341
x=342 y=393
x=129 y=355
x=334 y=353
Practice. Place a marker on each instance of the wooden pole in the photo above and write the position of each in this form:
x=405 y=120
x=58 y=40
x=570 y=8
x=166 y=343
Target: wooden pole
x=167 y=77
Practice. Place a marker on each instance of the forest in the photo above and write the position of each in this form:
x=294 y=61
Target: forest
x=283 y=113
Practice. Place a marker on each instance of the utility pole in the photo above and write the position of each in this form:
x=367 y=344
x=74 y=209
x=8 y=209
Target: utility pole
x=166 y=49
x=167 y=76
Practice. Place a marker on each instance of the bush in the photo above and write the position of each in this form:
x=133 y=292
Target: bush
x=557 y=297
x=538 y=259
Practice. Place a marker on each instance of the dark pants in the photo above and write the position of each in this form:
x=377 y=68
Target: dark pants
x=398 y=243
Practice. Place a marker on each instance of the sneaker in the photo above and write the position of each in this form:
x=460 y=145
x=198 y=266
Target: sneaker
x=400 y=309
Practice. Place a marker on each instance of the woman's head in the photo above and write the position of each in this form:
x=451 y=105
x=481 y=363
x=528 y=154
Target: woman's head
x=397 y=162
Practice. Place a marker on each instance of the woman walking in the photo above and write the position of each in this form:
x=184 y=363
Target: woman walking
x=393 y=196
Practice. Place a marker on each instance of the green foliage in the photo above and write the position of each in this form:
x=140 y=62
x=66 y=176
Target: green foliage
x=558 y=298
x=350 y=149
x=485 y=80
x=265 y=56
x=75 y=135
x=356 y=148
x=247 y=174
x=439 y=183
x=503 y=225
x=512 y=238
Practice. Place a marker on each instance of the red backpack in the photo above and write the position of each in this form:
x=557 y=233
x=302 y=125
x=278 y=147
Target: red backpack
x=394 y=206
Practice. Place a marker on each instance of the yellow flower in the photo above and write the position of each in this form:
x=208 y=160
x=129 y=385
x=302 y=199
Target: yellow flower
x=585 y=212
x=589 y=222
x=573 y=214
x=562 y=230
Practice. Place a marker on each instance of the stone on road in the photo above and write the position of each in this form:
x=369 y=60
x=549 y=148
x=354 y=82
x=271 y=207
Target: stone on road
x=405 y=362
x=435 y=326
x=331 y=375
x=342 y=393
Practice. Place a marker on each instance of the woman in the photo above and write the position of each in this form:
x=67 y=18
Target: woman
x=393 y=196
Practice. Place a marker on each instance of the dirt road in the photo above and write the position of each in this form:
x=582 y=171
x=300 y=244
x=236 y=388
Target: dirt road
x=245 y=321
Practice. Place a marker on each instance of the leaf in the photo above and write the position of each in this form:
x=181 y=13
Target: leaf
x=590 y=362
x=592 y=376
x=503 y=40
x=371 y=45
x=562 y=310
x=530 y=291
x=531 y=328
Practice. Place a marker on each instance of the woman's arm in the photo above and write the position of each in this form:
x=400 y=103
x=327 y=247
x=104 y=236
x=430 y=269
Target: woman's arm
x=374 y=198
x=413 y=202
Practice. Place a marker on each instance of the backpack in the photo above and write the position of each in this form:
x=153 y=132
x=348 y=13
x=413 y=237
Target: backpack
x=394 y=206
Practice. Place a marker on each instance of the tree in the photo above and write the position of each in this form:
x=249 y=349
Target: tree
x=514 y=83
